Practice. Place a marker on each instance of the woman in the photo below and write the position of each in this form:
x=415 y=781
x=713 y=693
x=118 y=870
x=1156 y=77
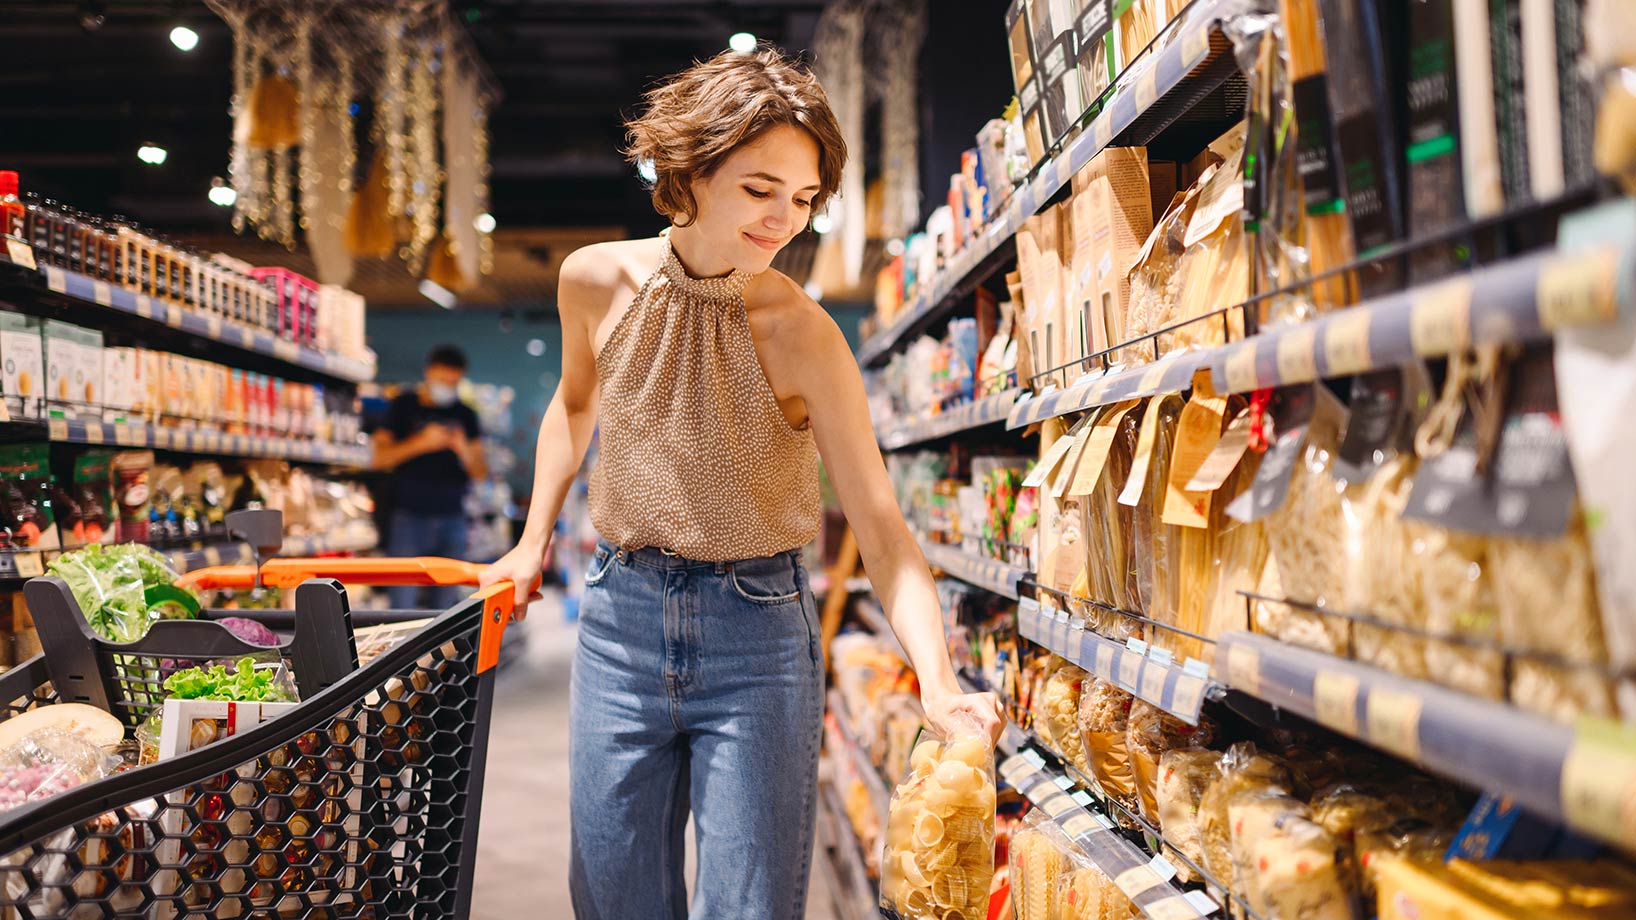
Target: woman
x=718 y=384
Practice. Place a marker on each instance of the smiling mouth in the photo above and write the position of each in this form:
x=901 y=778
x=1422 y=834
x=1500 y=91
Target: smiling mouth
x=764 y=242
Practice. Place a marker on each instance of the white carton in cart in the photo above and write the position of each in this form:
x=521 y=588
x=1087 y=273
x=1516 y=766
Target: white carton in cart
x=190 y=724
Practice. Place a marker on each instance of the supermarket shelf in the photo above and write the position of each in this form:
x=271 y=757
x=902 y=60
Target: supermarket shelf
x=989 y=574
x=355 y=540
x=91 y=292
x=879 y=787
x=1524 y=299
x=989 y=410
x=1579 y=775
x=1164 y=89
x=1148 y=882
x=1171 y=374
x=853 y=890
x=1138 y=668
x=201 y=440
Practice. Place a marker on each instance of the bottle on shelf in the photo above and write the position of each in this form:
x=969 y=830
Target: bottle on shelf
x=13 y=216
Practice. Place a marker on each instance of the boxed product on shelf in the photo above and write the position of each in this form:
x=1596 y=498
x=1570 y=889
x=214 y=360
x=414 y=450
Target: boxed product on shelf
x=22 y=365
x=122 y=380
x=73 y=365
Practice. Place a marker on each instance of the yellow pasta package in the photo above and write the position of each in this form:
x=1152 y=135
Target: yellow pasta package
x=1307 y=537
x=1150 y=732
x=1299 y=872
x=1089 y=894
x=1460 y=603
x=1104 y=717
x=938 y=861
x=1183 y=777
x=1382 y=578
x=1244 y=769
x=1039 y=861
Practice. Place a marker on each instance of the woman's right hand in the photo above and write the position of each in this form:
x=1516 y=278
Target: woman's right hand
x=521 y=567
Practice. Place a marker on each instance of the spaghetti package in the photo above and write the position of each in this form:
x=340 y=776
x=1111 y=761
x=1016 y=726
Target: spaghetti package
x=1061 y=709
x=1104 y=718
x=1244 y=770
x=1148 y=735
x=1239 y=555
x=1532 y=576
x=1157 y=544
x=1183 y=777
x=1381 y=575
x=939 y=856
x=1039 y=864
x=1458 y=592
x=1113 y=532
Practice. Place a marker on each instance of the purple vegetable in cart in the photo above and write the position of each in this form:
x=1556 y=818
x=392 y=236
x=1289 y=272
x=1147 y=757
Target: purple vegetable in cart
x=249 y=630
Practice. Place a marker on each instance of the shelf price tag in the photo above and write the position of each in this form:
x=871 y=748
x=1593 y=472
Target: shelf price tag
x=1137 y=880
x=1153 y=683
x=1346 y=343
x=1057 y=805
x=1335 y=699
x=1188 y=696
x=1102 y=128
x=1065 y=783
x=1241 y=375
x=1578 y=289
x=55 y=280
x=1394 y=721
x=1147 y=87
x=1175 y=907
x=1298 y=355
x=1599 y=780
x=1440 y=318
x=1130 y=666
x=144 y=306
x=21 y=254
x=29 y=565
x=1104 y=659
x=1081 y=798
x=57 y=429
x=1195 y=44
x=1162 y=867
x=93 y=433
x=1079 y=825
x=102 y=294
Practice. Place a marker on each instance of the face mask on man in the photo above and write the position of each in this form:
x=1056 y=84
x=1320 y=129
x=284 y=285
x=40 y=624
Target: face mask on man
x=441 y=394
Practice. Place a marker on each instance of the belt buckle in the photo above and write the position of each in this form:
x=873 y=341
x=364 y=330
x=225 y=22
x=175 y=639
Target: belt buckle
x=672 y=555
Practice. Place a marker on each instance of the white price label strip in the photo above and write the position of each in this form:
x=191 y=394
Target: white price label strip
x=21 y=254
x=1335 y=698
x=1394 y=722
x=1440 y=318
x=1298 y=355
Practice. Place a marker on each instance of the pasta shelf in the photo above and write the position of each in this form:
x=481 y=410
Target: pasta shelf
x=988 y=574
x=990 y=410
x=1573 y=773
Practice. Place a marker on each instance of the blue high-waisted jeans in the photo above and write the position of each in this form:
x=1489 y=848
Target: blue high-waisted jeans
x=697 y=686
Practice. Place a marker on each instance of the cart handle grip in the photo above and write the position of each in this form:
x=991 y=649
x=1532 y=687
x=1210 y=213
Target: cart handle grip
x=499 y=599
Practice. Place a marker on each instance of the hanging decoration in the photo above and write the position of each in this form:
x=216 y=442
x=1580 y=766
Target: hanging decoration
x=300 y=69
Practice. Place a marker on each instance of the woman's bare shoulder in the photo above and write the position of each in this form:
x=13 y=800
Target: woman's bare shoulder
x=788 y=313
x=595 y=274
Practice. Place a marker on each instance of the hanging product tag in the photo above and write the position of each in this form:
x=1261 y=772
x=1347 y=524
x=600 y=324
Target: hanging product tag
x=1530 y=489
x=1372 y=426
x=1136 y=483
x=1197 y=433
x=1270 y=487
x=1224 y=457
x=1095 y=458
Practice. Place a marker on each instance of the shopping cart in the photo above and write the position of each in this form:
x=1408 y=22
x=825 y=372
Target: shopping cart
x=361 y=802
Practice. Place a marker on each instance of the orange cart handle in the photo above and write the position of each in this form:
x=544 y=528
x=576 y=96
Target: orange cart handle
x=499 y=599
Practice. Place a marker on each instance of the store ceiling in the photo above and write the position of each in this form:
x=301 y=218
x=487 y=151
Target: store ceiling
x=76 y=102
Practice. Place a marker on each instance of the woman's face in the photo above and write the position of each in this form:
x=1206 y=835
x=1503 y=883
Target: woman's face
x=759 y=198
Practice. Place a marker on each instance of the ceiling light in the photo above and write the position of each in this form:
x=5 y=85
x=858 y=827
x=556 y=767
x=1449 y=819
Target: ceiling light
x=536 y=347
x=644 y=168
x=184 y=38
x=222 y=194
x=438 y=294
x=742 y=42
x=152 y=154
x=894 y=248
x=484 y=222
x=822 y=223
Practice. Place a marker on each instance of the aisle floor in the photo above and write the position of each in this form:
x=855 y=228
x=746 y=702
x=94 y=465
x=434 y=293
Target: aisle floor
x=522 y=852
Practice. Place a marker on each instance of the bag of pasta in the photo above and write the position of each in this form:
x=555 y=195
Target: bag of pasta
x=1039 y=863
x=1244 y=769
x=1297 y=868
x=1089 y=894
x=1183 y=777
x=1061 y=709
x=1150 y=732
x=1459 y=595
x=1348 y=813
x=1382 y=578
x=939 y=855
x=1307 y=538
x=1104 y=717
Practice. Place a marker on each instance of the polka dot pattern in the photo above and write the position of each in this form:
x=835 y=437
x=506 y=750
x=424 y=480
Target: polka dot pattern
x=694 y=454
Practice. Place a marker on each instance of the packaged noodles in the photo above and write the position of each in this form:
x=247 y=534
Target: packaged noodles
x=1458 y=592
x=939 y=856
x=1104 y=719
x=1307 y=539
x=1382 y=578
x=1089 y=894
x=1061 y=710
x=1183 y=777
x=1243 y=770
x=1039 y=863
x=1149 y=734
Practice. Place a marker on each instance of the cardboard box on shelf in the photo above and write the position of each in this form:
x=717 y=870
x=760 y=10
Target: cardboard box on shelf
x=121 y=381
x=73 y=365
x=22 y=365
x=153 y=385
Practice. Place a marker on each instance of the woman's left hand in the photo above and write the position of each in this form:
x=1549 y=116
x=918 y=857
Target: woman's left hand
x=954 y=714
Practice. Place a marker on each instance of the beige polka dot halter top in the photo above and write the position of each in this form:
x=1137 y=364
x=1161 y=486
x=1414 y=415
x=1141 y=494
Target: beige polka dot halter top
x=694 y=454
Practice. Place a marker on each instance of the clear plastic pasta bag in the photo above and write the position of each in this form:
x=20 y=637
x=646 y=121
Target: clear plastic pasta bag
x=1346 y=813
x=1307 y=536
x=1060 y=708
x=1104 y=717
x=1299 y=869
x=938 y=862
x=1535 y=576
x=1382 y=578
x=1087 y=893
x=1039 y=862
x=1243 y=769
x=1150 y=732
x=1460 y=603
x=1183 y=777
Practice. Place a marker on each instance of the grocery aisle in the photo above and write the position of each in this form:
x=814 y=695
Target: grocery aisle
x=522 y=853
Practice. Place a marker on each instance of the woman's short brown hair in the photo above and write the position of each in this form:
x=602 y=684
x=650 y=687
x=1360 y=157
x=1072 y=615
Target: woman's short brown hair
x=696 y=118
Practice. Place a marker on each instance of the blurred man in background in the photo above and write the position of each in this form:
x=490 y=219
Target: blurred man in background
x=430 y=444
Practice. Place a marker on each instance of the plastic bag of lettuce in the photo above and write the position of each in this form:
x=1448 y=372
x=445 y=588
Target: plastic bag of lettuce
x=114 y=585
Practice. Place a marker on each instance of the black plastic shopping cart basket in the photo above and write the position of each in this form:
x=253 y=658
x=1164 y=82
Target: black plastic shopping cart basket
x=361 y=802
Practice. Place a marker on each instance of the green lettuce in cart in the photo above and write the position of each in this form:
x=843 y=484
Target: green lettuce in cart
x=123 y=588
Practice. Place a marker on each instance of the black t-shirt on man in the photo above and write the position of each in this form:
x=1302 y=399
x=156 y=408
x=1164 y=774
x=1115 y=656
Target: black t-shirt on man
x=433 y=483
